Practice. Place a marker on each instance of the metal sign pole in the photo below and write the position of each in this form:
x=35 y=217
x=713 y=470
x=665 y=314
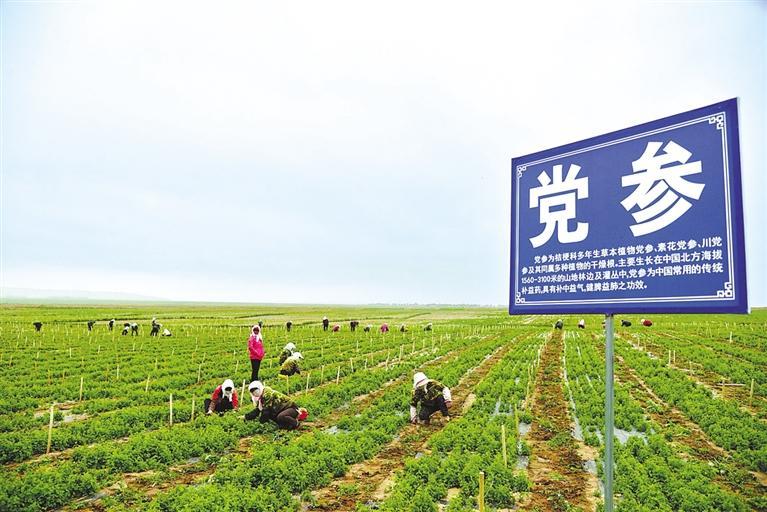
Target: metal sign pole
x=609 y=416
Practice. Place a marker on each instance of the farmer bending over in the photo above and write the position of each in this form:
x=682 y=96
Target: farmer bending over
x=111 y=324
x=432 y=396
x=273 y=406
x=325 y=323
x=288 y=325
x=290 y=366
x=287 y=351
x=38 y=326
x=625 y=323
x=559 y=324
x=581 y=324
x=223 y=399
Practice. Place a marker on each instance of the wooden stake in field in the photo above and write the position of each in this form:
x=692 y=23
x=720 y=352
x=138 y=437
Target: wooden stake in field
x=307 y=380
x=81 y=388
x=193 y=408
x=146 y=388
x=50 y=432
x=503 y=446
x=338 y=374
x=322 y=373
x=751 y=393
x=287 y=384
x=481 y=497
x=170 y=415
x=242 y=394
x=199 y=373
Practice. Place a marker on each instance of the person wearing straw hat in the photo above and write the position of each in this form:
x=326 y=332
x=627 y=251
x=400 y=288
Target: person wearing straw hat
x=271 y=405
x=432 y=396
x=224 y=398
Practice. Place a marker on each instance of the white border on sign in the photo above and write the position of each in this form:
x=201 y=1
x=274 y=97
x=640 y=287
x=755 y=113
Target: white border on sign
x=728 y=288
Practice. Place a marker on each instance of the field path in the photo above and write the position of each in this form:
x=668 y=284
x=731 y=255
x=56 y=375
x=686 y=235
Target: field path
x=556 y=467
x=377 y=474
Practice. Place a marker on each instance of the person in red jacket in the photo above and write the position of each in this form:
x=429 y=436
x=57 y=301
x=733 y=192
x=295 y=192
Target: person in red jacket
x=256 y=349
x=384 y=327
x=223 y=399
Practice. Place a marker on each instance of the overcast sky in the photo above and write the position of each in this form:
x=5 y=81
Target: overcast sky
x=332 y=152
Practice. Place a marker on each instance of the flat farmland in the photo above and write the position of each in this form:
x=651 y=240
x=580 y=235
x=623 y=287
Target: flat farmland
x=96 y=420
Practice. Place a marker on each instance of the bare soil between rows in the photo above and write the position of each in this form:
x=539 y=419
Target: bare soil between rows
x=556 y=470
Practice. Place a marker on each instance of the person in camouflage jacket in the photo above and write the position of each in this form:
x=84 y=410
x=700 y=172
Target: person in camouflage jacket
x=287 y=351
x=290 y=366
x=432 y=396
x=274 y=406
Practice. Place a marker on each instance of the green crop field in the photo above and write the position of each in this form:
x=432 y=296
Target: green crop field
x=101 y=421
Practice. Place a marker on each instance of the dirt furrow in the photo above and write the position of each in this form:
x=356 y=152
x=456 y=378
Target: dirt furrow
x=377 y=474
x=690 y=434
x=191 y=472
x=556 y=468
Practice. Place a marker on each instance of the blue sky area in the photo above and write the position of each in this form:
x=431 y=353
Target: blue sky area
x=331 y=152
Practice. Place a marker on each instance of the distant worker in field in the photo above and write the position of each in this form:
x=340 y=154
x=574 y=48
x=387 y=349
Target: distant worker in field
x=427 y=327
x=271 y=405
x=325 y=323
x=581 y=324
x=432 y=396
x=288 y=325
x=134 y=329
x=625 y=323
x=559 y=324
x=287 y=351
x=91 y=323
x=402 y=328
x=166 y=332
x=646 y=322
x=111 y=324
x=261 y=324
x=224 y=398
x=367 y=328
x=384 y=328
x=126 y=329
x=38 y=326
x=291 y=366
x=155 y=327
x=336 y=328
x=353 y=325
x=256 y=351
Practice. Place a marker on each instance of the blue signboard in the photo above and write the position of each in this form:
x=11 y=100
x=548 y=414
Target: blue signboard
x=646 y=219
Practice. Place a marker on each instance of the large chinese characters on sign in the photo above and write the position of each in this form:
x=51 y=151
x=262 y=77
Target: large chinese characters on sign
x=645 y=219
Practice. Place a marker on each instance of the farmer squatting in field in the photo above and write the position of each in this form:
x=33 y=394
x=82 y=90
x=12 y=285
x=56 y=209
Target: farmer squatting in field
x=290 y=366
x=287 y=351
x=273 y=406
x=432 y=396
x=224 y=398
x=256 y=350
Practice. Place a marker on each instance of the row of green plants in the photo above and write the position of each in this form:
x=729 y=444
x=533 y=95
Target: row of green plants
x=473 y=443
x=138 y=409
x=27 y=487
x=650 y=473
x=743 y=435
x=295 y=465
x=734 y=363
